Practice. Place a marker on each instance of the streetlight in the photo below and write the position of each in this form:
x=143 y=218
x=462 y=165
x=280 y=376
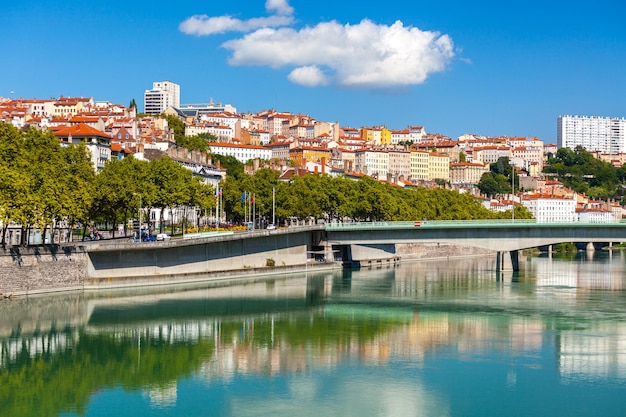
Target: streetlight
x=512 y=190
x=137 y=194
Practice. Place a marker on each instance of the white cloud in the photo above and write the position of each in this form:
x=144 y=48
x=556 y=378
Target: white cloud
x=362 y=55
x=309 y=76
x=281 y=7
x=365 y=55
x=202 y=25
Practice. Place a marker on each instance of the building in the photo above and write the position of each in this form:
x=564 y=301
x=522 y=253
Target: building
x=164 y=94
x=97 y=142
x=373 y=163
x=242 y=153
x=438 y=166
x=467 y=172
x=547 y=208
x=419 y=165
x=604 y=134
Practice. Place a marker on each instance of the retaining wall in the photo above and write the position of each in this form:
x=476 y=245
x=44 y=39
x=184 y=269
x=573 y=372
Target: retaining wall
x=42 y=268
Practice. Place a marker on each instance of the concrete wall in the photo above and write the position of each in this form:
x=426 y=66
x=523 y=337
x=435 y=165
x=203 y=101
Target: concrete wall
x=438 y=250
x=198 y=256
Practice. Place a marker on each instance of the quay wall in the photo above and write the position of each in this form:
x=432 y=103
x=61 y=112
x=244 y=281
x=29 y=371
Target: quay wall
x=43 y=268
x=89 y=266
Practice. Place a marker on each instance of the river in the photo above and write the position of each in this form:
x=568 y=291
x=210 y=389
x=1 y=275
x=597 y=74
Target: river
x=430 y=338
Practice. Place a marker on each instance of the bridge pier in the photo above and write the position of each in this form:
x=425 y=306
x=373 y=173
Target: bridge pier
x=501 y=259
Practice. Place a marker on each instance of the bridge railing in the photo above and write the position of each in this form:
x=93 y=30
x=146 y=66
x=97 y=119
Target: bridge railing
x=460 y=224
x=425 y=223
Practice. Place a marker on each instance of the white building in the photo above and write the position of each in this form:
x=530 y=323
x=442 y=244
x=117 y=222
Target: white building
x=604 y=134
x=242 y=153
x=374 y=163
x=594 y=215
x=164 y=94
x=551 y=209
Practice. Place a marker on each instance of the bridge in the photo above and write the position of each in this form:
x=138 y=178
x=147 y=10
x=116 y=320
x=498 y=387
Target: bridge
x=296 y=247
x=500 y=236
x=112 y=263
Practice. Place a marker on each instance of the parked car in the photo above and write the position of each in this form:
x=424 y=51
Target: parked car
x=270 y=227
x=147 y=237
x=163 y=236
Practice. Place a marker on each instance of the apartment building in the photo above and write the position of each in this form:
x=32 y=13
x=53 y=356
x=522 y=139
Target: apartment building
x=467 y=172
x=594 y=133
x=490 y=154
x=399 y=164
x=97 y=142
x=242 y=153
x=547 y=208
x=164 y=94
x=419 y=165
x=223 y=133
x=438 y=166
x=372 y=162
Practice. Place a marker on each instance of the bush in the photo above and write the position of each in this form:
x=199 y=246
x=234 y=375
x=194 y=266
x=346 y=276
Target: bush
x=270 y=262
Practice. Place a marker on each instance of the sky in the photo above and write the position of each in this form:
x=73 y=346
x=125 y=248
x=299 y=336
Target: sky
x=485 y=67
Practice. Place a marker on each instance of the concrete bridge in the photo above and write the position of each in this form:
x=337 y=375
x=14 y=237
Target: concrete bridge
x=319 y=245
x=500 y=236
x=247 y=255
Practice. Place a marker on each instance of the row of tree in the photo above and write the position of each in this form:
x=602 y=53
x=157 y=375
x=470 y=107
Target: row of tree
x=341 y=199
x=44 y=185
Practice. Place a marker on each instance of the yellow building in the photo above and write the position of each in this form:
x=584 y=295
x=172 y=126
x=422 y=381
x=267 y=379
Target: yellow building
x=372 y=135
x=385 y=136
x=419 y=165
x=303 y=154
x=438 y=166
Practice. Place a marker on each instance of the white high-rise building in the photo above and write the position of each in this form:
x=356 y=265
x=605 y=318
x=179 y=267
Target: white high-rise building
x=604 y=134
x=164 y=94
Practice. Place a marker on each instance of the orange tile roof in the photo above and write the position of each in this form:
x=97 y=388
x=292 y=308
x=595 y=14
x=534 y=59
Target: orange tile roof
x=80 y=130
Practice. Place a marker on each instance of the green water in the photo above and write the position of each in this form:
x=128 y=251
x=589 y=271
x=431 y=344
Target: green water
x=437 y=338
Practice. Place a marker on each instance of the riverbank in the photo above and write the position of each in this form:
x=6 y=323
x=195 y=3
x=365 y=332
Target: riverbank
x=26 y=271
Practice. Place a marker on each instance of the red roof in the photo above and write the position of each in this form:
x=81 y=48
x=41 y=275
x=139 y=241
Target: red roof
x=80 y=130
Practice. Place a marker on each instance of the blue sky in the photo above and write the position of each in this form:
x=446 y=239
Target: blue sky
x=455 y=67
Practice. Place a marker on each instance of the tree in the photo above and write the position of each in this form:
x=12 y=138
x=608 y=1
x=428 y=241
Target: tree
x=488 y=185
x=199 y=142
x=177 y=125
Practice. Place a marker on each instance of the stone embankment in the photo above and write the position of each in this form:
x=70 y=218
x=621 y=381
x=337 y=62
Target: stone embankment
x=44 y=268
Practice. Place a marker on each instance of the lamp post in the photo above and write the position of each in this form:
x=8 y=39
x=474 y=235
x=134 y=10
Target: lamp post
x=137 y=194
x=512 y=191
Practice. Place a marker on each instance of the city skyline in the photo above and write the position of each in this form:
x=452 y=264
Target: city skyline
x=453 y=67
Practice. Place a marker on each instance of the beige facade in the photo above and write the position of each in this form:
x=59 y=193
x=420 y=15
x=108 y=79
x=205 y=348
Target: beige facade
x=400 y=164
x=467 y=172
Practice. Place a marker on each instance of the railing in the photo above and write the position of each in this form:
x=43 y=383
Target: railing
x=460 y=224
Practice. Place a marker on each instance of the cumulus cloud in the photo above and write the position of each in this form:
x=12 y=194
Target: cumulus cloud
x=309 y=76
x=362 y=55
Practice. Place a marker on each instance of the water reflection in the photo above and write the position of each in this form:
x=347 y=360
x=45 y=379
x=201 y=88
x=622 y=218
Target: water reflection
x=388 y=341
